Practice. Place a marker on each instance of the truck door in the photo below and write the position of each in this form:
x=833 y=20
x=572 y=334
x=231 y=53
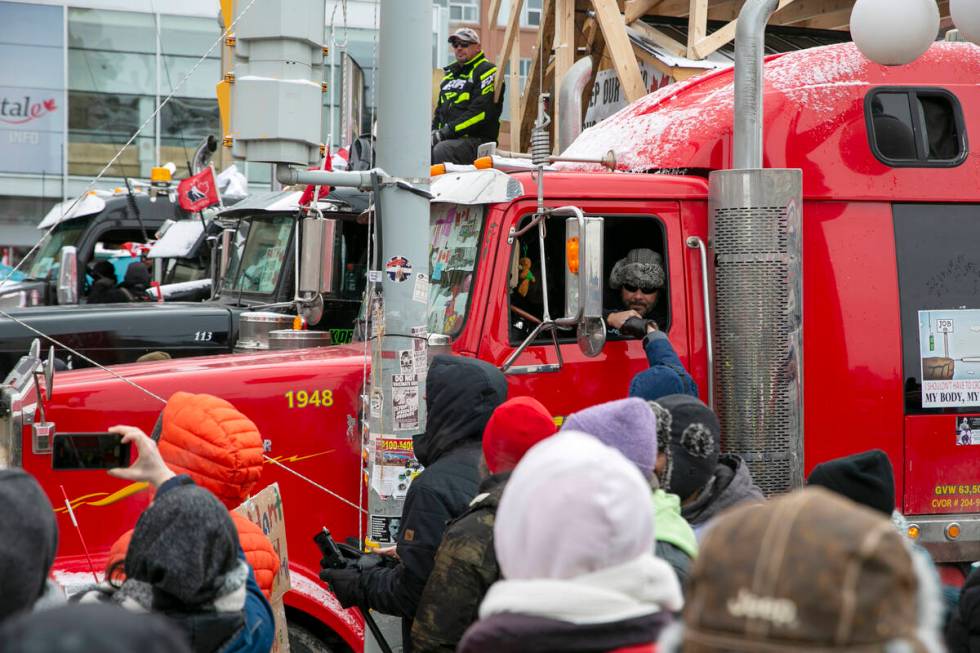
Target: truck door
x=939 y=289
x=517 y=297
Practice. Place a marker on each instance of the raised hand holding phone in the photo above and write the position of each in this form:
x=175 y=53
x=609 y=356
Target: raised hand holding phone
x=149 y=465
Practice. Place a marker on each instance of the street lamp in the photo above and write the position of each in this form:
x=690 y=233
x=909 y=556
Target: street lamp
x=897 y=32
x=966 y=17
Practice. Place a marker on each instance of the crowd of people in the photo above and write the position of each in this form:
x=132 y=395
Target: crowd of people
x=625 y=530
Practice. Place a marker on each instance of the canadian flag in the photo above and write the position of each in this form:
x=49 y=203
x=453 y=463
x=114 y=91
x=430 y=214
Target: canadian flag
x=198 y=192
x=306 y=199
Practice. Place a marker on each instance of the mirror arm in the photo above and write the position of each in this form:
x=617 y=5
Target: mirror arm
x=551 y=326
x=514 y=233
x=582 y=283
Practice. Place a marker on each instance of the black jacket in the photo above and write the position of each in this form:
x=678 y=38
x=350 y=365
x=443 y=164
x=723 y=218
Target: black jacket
x=466 y=106
x=963 y=631
x=461 y=394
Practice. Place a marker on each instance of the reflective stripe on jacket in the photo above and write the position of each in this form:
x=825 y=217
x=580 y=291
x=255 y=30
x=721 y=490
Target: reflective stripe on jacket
x=466 y=104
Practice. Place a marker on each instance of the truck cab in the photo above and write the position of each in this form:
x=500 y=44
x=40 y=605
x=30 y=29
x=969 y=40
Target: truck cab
x=255 y=269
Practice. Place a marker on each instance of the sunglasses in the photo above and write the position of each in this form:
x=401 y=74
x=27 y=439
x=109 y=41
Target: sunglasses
x=645 y=291
x=460 y=44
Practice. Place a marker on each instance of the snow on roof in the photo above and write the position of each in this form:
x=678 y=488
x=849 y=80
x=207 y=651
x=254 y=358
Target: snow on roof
x=178 y=241
x=90 y=203
x=674 y=126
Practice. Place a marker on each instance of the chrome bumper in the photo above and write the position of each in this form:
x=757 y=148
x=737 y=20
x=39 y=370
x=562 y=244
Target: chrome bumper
x=936 y=534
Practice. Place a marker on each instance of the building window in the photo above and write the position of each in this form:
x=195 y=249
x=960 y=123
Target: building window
x=462 y=11
x=530 y=13
x=918 y=128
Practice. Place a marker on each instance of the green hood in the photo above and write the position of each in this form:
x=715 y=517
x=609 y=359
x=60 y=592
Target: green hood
x=670 y=526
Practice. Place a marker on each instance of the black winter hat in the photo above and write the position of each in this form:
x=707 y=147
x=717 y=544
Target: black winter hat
x=77 y=628
x=28 y=541
x=866 y=478
x=689 y=434
x=183 y=545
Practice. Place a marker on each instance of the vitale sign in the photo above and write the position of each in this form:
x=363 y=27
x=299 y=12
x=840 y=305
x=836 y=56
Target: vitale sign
x=23 y=110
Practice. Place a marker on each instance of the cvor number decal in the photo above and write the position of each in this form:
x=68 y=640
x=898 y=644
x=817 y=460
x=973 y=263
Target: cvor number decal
x=304 y=399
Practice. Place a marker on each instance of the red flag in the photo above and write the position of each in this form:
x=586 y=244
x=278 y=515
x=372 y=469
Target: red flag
x=198 y=192
x=307 y=197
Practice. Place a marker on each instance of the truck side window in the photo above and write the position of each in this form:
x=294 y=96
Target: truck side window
x=621 y=234
x=916 y=127
x=939 y=293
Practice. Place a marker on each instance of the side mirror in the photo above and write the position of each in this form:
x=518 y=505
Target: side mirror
x=68 y=276
x=223 y=256
x=583 y=282
x=317 y=256
x=49 y=374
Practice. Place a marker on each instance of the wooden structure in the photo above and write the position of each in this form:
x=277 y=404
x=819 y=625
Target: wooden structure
x=614 y=33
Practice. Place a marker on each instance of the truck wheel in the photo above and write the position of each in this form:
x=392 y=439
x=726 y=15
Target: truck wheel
x=301 y=640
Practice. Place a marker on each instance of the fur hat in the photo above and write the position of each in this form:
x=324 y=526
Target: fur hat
x=627 y=425
x=643 y=268
x=514 y=427
x=689 y=434
x=808 y=571
x=865 y=477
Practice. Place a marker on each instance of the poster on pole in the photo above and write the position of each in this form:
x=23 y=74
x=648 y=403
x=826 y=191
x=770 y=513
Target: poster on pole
x=949 y=349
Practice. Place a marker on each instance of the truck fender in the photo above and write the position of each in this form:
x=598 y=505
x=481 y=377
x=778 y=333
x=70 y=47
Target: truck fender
x=309 y=596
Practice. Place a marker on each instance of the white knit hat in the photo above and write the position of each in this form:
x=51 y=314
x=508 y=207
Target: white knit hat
x=572 y=506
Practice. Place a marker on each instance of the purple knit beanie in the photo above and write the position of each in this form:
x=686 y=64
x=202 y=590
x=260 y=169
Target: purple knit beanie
x=627 y=425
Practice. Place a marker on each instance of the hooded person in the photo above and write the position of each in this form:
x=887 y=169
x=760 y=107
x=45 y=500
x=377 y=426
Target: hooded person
x=630 y=427
x=184 y=561
x=808 y=571
x=689 y=463
x=135 y=282
x=103 y=283
x=28 y=544
x=574 y=539
x=466 y=565
x=460 y=395
x=91 y=627
x=220 y=448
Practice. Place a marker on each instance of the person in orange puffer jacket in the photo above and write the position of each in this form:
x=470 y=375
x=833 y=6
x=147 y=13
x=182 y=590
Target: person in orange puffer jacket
x=208 y=439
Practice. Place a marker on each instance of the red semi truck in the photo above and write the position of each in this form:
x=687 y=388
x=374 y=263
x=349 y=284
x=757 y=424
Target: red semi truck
x=890 y=309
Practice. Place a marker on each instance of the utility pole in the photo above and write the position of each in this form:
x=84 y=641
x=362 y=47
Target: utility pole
x=398 y=356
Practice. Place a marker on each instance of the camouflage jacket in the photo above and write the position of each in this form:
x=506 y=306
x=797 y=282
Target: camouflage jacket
x=465 y=567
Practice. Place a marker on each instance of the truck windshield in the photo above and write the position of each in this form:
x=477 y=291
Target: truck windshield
x=48 y=253
x=255 y=268
x=454 y=239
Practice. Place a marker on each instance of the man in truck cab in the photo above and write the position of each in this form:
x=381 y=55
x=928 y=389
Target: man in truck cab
x=466 y=114
x=639 y=277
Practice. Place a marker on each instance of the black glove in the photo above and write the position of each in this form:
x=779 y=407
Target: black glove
x=345 y=585
x=436 y=137
x=636 y=327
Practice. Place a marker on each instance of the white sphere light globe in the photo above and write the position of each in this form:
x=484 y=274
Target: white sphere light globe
x=966 y=18
x=894 y=32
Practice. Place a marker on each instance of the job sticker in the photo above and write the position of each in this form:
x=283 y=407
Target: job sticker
x=967 y=431
x=421 y=291
x=949 y=351
x=398 y=269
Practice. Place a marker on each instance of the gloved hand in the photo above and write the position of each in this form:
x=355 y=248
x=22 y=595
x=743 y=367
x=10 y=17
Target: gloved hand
x=636 y=327
x=436 y=137
x=345 y=585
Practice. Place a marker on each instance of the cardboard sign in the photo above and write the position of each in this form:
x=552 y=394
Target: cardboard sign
x=265 y=511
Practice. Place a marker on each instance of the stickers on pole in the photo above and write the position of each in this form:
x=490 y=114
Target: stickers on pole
x=376 y=276
x=394 y=466
x=384 y=529
x=398 y=269
x=405 y=401
x=421 y=291
x=967 y=431
x=949 y=349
